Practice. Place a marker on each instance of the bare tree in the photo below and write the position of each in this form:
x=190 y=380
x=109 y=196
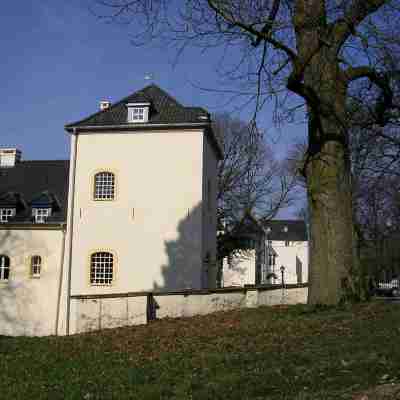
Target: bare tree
x=304 y=53
x=250 y=179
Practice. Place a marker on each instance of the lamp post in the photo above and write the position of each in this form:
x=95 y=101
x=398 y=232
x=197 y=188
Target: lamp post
x=282 y=274
x=283 y=284
x=267 y=258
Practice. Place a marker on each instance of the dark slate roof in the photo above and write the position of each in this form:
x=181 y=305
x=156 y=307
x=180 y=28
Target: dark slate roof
x=248 y=226
x=37 y=181
x=11 y=199
x=164 y=110
x=296 y=230
x=45 y=199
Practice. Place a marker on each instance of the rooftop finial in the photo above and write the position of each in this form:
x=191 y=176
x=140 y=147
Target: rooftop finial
x=149 y=77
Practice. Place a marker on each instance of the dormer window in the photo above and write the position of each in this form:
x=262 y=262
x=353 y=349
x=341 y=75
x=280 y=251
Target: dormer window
x=41 y=214
x=43 y=205
x=138 y=112
x=6 y=214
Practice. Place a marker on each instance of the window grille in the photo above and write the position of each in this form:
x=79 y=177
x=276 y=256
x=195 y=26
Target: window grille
x=41 y=214
x=6 y=214
x=101 y=268
x=4 y=268
x=104 y=186
x=136 y=114
x=36 y=266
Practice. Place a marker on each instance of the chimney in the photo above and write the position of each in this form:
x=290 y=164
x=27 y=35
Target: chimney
x=9 y=157
x=104 y=104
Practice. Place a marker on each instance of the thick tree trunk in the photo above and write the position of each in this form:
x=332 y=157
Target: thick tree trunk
x=332 y=265
x=331 y=230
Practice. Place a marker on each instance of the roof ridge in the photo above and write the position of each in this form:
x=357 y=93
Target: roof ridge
x=284 y=220
x=125 y=99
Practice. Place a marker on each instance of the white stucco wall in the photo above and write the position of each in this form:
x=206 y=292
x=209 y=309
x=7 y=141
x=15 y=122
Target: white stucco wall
x=94 y=314
x=288 y=256
x=241 y=271
x=28 y=306
x=102 y=313
x=154 y=226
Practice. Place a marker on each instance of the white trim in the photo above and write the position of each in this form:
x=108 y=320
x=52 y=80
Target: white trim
x=70 y=219
x=138 y=104
x=137 y=114
x=78 y=129
x=41 y=214
x=6 y=213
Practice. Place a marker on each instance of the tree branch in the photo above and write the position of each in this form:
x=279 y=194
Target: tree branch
x=357 y=12
x=270 y=21
x=382 y=81
x=260 y=35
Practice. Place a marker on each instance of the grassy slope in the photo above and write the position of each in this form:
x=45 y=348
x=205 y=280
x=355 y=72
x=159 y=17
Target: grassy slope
x=275 y=353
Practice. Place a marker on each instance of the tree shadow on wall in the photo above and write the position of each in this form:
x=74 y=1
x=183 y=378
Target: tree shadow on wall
x=18 y=297
x=184 y=269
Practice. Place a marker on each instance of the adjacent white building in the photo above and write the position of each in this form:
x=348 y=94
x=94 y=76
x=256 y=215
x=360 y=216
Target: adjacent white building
x=134 y=209
x=268 y=252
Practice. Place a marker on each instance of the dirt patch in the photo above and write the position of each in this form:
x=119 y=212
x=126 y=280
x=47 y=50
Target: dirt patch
x=382 y=392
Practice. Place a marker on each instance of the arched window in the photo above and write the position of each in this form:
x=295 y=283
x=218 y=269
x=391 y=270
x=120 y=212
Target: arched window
x=101 y=268
x=4 y=268
x=36 y=266
x=104 y=186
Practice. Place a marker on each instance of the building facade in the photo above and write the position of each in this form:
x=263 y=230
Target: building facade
x=271 y=252
x=134 y=210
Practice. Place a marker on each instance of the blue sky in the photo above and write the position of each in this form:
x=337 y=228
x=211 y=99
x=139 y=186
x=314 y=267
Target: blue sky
x=59 y=61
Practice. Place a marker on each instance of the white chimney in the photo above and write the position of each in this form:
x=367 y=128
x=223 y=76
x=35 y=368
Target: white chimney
x=104 y=104
x=9 y=157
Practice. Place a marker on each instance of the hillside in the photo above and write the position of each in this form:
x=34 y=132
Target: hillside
x=295 y=353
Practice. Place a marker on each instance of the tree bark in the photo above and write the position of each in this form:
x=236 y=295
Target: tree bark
x=332 y=268
x=319 y=79
x=331 y=230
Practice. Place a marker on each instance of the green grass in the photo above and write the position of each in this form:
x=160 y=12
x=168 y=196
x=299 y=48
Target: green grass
x=296 y=353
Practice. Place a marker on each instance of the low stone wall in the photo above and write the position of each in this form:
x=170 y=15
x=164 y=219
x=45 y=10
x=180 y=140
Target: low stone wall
x=94 y=312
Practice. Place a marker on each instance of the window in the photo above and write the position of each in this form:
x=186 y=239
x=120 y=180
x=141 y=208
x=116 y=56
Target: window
x=137 y=114
x=36 y=266
x=41 y=214
x=230 y=261
x=4 y=268
x=271 y=260
x=6 y=214
x=101 y=268
x=104 y=186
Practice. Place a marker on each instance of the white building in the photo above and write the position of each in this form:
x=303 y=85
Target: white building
x=268 y=252
x=134 y=209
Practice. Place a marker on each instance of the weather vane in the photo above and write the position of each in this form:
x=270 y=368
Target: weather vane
x=149 y=77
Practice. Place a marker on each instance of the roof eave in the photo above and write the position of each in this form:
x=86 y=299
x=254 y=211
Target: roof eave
x=55 y=226
x=135 y=126
x=140 y=126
